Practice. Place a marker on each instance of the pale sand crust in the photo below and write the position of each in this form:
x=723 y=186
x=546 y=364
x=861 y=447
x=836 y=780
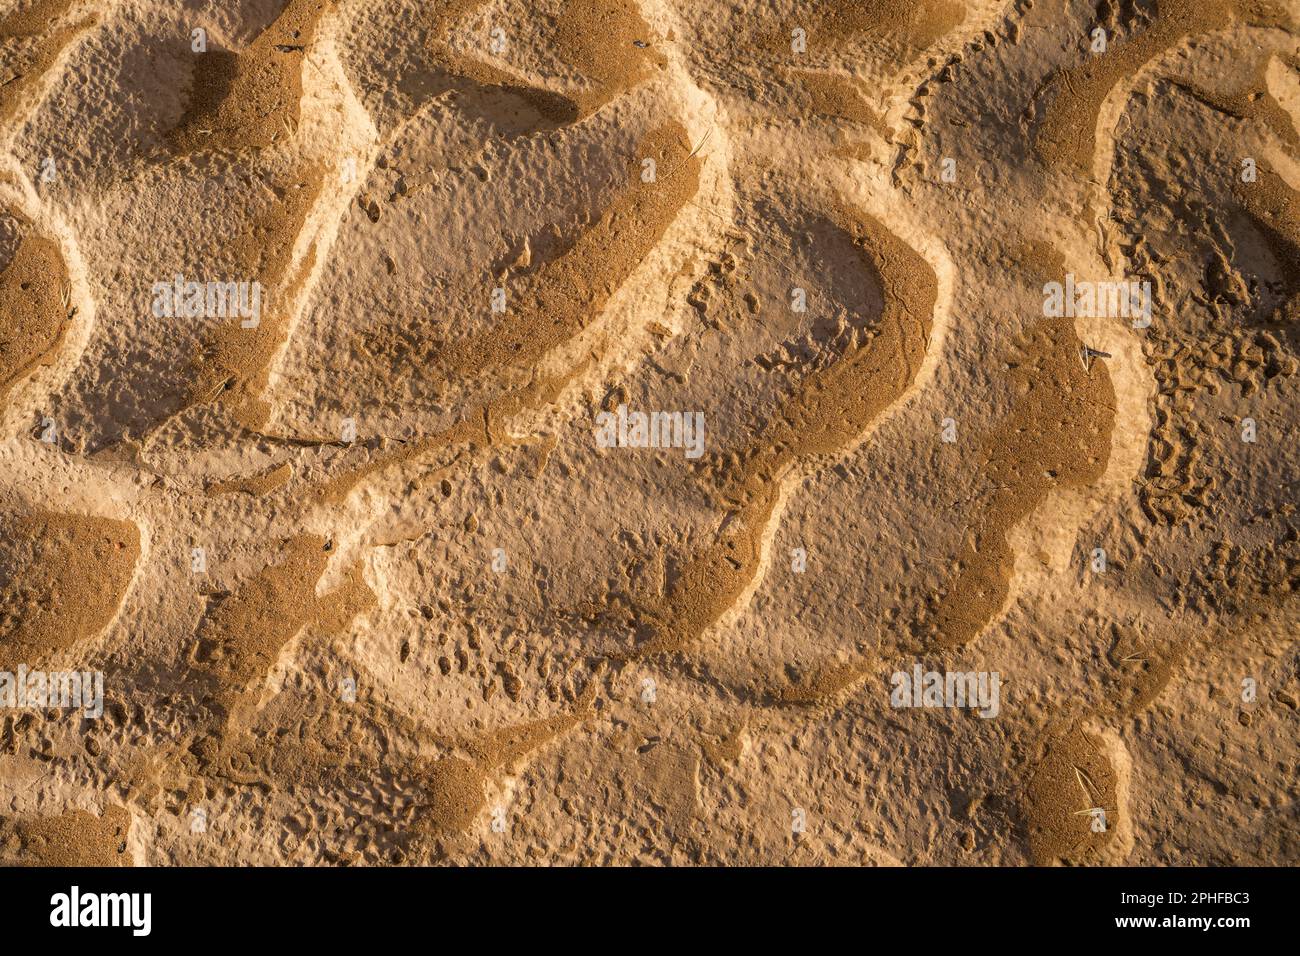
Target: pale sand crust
x=434 y=621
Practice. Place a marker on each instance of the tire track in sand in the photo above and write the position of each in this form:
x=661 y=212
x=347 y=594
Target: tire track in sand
x=251 y=100
x=36 y=291
x=63 y=578
x=555 y=304
x=431 y=800
x=28 y=51
x=830 y=411
x=73 y=838
x=247 y=102
x=35 y=312
x=1067 y=135
x=1054 y=436
x=603 y=41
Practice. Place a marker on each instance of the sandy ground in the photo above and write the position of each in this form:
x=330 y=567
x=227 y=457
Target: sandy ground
x=371 y=578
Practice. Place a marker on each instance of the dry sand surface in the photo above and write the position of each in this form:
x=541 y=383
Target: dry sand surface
x=325 y=330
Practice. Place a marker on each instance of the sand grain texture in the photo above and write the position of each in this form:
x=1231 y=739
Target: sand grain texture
x=366 y=576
